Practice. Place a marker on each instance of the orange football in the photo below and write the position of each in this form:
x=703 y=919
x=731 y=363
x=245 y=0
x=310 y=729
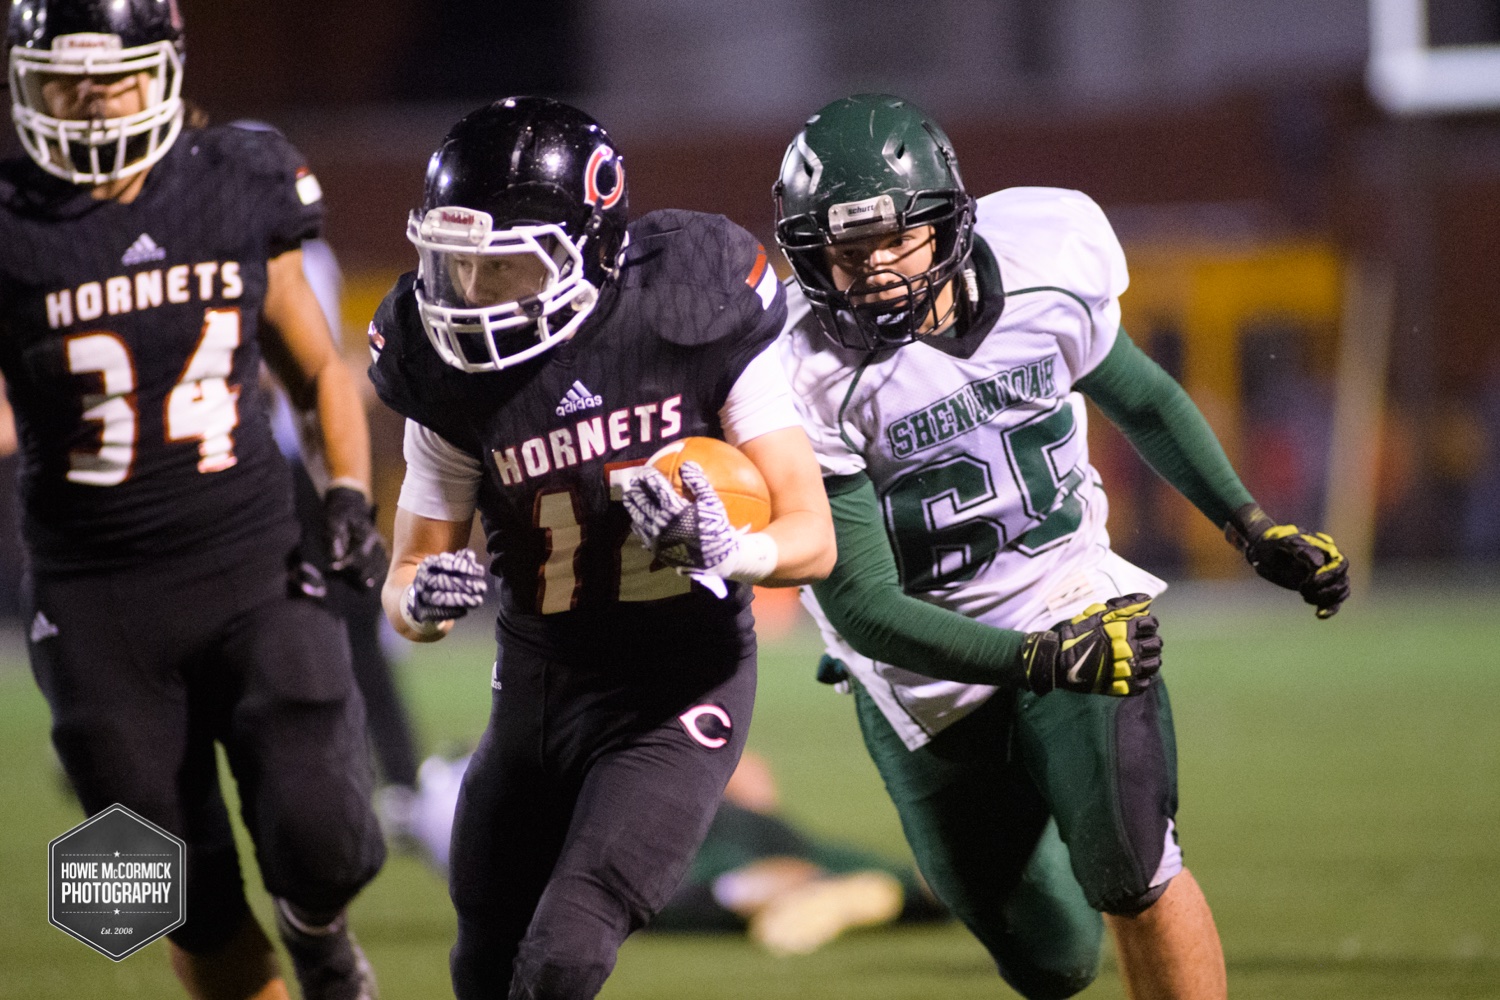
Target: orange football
x=736 y=479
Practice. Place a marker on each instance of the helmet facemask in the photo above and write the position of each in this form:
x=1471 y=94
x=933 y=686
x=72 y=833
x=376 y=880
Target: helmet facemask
x=855 y=317
x=491 y=299
x=101 y=150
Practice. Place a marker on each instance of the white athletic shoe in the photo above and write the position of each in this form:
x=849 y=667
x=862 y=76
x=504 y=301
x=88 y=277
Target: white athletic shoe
x=430 y=820
x=806 y=918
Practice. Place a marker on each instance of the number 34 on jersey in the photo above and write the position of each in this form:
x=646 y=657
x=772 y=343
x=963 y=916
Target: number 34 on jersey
x=202 y=406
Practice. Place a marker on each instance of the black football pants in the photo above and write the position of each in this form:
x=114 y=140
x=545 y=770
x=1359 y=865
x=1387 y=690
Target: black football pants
x=149 y=668
x=583 y=806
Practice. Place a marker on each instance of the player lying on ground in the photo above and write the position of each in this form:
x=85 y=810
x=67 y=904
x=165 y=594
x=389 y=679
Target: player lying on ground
x=940 y=350
x=791 y=890
x=147 y=269
x=542 y=349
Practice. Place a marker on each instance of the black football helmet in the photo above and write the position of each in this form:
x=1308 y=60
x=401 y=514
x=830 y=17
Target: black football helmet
x=522 y=224
x=868 y=165
x=96 y=38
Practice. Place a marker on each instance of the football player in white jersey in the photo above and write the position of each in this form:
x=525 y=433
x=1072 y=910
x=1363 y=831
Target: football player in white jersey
x=1002 y=657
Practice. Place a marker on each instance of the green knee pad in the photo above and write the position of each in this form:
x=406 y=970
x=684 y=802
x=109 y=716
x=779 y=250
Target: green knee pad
x=1107 y=768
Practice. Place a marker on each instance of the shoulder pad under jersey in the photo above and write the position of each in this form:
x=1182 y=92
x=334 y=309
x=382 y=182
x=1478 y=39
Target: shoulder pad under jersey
x=254 y=147
x=27 y=190
x=1053 y=237
x=696 y=278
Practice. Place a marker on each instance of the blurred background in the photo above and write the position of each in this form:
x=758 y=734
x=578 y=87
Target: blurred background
x=1314 y=240
x=1308 y=192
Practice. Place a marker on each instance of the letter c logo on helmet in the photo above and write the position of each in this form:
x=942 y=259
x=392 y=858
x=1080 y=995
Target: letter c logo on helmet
x=591 y=192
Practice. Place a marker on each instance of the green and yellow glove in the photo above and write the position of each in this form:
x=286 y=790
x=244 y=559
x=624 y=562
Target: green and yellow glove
x=1309 y=563
x=1110 y=649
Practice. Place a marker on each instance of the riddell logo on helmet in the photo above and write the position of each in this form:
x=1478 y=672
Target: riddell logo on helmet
x=85 y=41
x=458 y=218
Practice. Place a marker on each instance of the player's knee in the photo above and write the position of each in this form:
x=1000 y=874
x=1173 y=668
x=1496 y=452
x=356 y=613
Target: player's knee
x=1131 y=904
x=1038 y=982
x=1049 y=966
x=557 y=978
x=571 y=945
x=321 y=866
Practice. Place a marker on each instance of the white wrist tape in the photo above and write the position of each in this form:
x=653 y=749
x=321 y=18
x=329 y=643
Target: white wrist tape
x=426 y=630
x=753 y=561
x=350 y=482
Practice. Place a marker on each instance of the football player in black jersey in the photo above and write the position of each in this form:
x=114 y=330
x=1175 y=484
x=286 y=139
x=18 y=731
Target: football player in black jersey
x=145 y=270
x=541 y=353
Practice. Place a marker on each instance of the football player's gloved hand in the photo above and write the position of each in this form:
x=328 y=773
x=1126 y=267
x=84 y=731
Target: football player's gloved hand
x=355 y=550
x=1307 y=562
x=1110 y=648
x=695 y=535
x=446 y=586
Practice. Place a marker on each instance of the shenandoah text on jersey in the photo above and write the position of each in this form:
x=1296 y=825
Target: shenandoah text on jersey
x=128 y=340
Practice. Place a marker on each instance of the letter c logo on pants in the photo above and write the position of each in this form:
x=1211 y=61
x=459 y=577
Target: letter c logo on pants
x=709 y=725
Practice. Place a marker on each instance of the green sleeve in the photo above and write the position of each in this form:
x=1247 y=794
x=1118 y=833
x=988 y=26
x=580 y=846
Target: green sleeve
x=1167 y=428
x=863 y=599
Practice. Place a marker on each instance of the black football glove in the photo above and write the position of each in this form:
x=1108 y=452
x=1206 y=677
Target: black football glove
x=355 y=550
x=1110 y=648
x=1307 y=562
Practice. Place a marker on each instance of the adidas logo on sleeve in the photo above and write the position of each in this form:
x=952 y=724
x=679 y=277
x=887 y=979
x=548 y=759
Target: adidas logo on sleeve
x=578 y=398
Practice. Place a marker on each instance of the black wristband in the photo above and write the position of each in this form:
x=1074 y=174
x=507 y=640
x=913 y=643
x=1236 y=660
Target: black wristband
x=1039 y=653
x=1246 y=525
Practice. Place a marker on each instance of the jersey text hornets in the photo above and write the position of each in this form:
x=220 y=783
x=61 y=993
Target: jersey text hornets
x=589 y=439
x=144 y=290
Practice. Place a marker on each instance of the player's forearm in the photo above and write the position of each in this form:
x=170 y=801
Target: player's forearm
x=346 y=434
x=393 y=594
x=1167 y=428
x=804 y=548
x=416 y=538
x=864 y=601
x=800 y=524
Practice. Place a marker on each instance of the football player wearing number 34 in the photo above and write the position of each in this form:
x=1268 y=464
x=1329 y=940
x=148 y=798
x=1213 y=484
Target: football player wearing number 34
x=1003 y=659
x=543 y=351
x=146 y=268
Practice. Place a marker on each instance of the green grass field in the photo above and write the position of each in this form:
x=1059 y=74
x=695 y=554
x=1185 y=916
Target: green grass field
x=1341 y=807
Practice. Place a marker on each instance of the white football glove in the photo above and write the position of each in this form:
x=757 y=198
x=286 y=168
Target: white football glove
x=446 y=586
x=695 y=535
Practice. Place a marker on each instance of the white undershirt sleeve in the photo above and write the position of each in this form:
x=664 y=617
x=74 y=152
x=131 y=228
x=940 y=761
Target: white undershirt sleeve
x=442 y=482
x=760 y=401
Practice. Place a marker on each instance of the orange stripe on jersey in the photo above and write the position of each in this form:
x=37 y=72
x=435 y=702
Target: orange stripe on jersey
x=759 y=268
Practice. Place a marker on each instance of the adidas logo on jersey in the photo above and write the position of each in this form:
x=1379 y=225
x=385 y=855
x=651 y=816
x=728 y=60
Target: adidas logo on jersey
x=142 y=251
x=41 y=628
x=578 y=398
